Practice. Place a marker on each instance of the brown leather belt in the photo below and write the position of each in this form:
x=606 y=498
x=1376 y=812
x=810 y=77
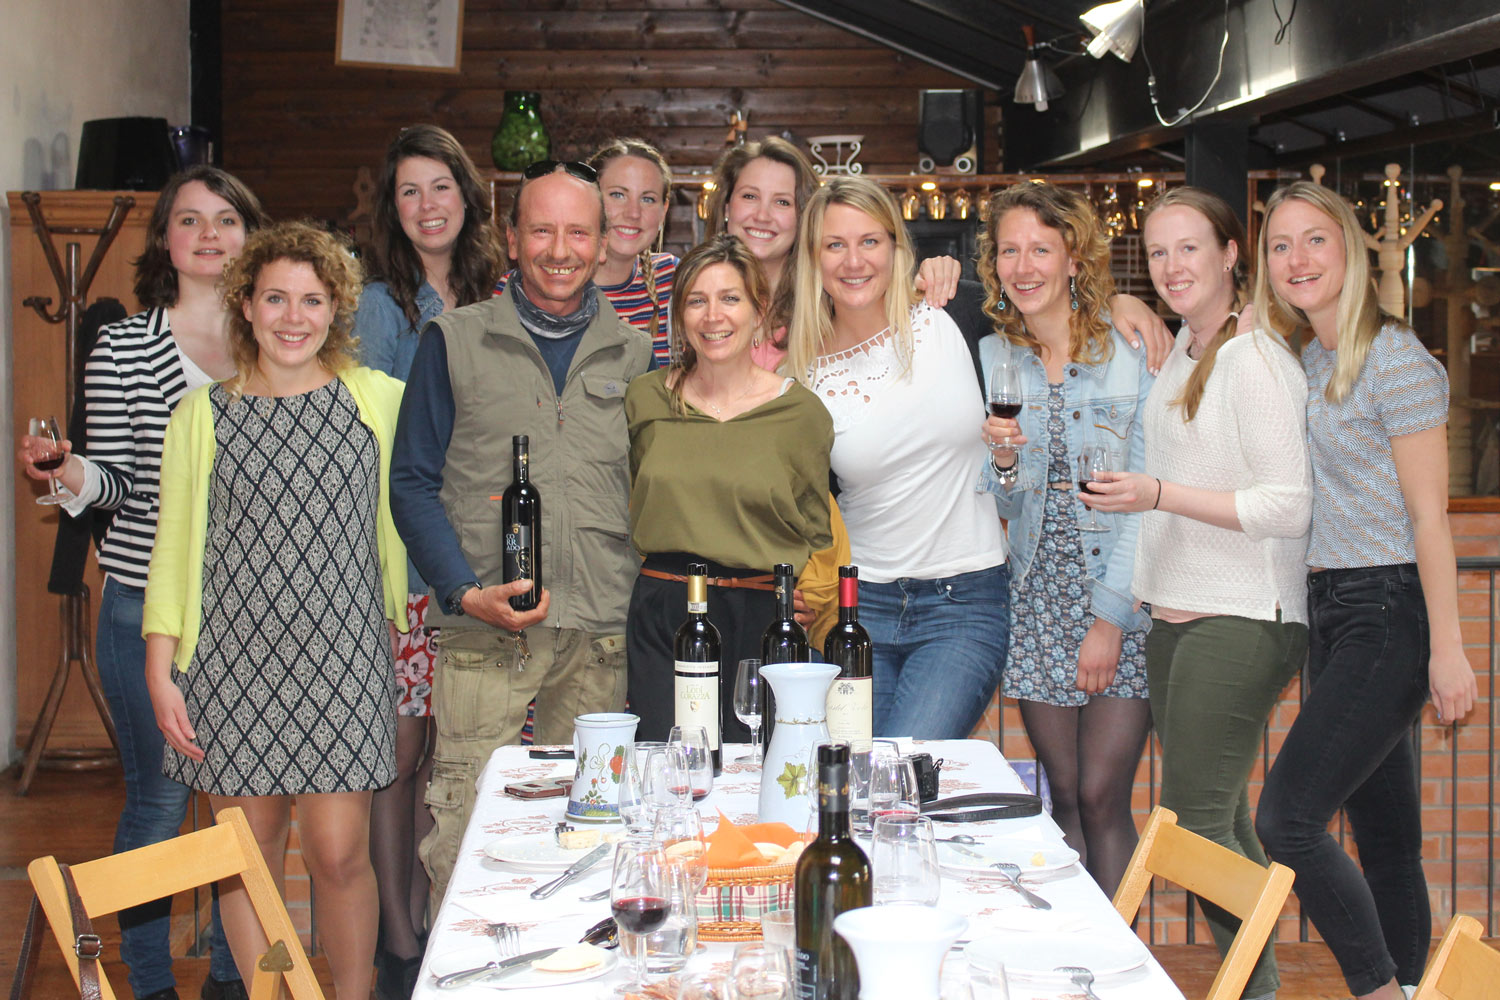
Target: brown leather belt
x=764 y=581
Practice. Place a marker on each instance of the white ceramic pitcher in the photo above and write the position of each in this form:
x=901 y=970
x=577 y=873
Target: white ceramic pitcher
x=801 y=721
x=599 y=743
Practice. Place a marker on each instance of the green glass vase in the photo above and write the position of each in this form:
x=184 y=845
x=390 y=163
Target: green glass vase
x=520 y=139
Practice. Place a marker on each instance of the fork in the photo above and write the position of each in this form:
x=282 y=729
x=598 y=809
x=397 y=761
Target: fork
x=1012 y=871
x=507 y=938
x=1082 y=978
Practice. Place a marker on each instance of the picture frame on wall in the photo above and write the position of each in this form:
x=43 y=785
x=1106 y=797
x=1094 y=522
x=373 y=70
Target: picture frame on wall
x=425 y=35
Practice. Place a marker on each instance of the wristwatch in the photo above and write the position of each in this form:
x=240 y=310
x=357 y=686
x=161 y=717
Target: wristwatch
x=454 y=605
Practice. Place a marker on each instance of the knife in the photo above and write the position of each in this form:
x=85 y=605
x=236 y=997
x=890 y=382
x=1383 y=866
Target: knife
x=961 y=849
x=576 y=869
x=492 y=969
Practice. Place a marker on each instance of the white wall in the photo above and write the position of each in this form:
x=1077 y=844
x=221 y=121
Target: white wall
x=62 y=63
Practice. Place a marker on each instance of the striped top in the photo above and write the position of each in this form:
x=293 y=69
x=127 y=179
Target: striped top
x=1359 y=513
x=134 y=378
x=632 y=300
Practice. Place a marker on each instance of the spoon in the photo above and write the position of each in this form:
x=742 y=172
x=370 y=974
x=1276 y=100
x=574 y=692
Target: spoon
x=1013 y=872
x=962 y=838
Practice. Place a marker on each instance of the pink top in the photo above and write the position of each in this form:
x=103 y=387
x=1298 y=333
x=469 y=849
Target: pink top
x=766 y=354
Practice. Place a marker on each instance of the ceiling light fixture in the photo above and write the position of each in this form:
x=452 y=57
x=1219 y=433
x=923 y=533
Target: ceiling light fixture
x=1037 y=84
x=1116 y=28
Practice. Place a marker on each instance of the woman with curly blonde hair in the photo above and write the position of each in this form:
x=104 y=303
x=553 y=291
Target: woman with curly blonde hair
x=1077 y=644
x=275 y=573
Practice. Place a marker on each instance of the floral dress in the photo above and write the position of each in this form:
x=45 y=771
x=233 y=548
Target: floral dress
x=1049 y=606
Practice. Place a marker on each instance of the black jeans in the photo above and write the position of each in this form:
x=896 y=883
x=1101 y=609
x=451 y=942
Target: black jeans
x=1351 y=746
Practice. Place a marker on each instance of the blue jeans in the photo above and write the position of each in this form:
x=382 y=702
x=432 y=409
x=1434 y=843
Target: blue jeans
x=154 y=804
x=939 y=650
x=1351 y=746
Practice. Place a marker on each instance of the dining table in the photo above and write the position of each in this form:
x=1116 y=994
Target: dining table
x=1081 y=928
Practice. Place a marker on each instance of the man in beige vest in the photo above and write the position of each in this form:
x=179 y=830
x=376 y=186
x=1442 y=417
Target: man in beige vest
x=550 y=359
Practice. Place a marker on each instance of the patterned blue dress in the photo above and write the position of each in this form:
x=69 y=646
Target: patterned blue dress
x=1049 y=607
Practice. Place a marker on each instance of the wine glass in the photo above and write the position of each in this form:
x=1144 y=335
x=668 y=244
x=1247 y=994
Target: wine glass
x=760 y=972
x=46 y=429
x=893 y=787
x=694 y=742
x=639 y=888
x=679 y=831
x=904 y=857
x=1005 y=390
x=1093 y=460
x=664 y=779
x=749 y=704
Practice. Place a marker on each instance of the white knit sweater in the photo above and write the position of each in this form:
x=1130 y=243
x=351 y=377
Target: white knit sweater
x=1249 y=437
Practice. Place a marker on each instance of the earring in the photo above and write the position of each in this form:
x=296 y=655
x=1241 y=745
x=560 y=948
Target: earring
x=1001 y=303
x=1073 y=293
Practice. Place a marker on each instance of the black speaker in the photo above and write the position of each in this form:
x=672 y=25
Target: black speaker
x=125 y=154
x=950 y=130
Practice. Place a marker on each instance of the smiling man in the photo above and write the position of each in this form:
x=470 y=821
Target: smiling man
x=549 y=359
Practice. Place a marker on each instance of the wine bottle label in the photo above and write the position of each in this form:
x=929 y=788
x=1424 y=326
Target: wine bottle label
x=850 y=711
x=807 y=974
x=697 y=607
x=697 y=691
x=519 y=552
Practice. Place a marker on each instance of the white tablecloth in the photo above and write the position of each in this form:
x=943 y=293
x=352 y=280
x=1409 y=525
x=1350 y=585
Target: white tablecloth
x=484 y=890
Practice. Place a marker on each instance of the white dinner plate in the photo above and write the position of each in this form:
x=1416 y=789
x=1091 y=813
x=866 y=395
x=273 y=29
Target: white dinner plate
x=1033 y=856
x=1036 y=957
x=534 y=852
x=523 y=979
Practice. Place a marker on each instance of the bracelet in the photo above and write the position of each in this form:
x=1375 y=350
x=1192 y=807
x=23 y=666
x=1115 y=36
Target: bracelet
x=1158 y=494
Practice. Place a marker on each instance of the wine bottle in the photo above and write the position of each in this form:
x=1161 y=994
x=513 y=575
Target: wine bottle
x=833 y=875
x=696 y=654
x=850 y=697
x=521 y=514
x=783 y=641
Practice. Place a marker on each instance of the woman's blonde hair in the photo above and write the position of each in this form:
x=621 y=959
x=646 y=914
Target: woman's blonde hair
x=337 y=270
x=811 y=328
x=1359 y=317
x=1227 y=229
x=720 y=249
x=727 y=175
x=643 y=150
x=1071 y=215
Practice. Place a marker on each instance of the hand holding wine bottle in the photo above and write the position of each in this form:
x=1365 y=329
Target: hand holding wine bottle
x=492 y=606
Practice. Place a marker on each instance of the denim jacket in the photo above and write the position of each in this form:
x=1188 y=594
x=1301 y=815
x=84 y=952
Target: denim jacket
x=1101 y=404
x=388 y=342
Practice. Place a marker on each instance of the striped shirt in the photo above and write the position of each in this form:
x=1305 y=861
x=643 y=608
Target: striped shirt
x=133 y=380
x=1359 y=512
x=632 y=300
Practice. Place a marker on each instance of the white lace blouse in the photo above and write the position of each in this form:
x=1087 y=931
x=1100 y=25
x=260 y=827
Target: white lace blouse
x=907 y=449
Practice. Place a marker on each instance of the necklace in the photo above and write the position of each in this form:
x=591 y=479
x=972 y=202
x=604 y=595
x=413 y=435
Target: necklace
x=719 y=410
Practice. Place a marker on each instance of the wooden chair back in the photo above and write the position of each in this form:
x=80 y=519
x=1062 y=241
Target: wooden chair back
x=1239 y=885
x=1464 y=968
x=225 y=850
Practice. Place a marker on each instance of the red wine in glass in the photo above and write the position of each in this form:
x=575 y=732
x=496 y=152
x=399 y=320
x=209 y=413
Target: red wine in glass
x=640 y=914
x=1083 y=487
x=1008 y=411
x=46 y=427
x=48 y=464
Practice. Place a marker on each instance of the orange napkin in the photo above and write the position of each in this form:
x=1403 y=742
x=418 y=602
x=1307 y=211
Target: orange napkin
x=733 y=846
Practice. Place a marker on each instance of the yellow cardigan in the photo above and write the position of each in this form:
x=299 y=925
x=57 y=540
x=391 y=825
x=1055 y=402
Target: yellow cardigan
x=819 y=582
x=174 y=585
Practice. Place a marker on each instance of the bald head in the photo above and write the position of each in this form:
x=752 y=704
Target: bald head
x=556 y=237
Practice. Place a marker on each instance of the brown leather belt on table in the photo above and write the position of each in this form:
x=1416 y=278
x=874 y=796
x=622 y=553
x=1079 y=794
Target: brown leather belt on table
x=764 y=581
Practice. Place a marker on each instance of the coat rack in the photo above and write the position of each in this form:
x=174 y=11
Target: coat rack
x=73 y=609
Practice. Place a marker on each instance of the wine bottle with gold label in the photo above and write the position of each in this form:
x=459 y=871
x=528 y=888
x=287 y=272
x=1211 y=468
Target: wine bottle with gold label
x=851 y=696
x=695 y=651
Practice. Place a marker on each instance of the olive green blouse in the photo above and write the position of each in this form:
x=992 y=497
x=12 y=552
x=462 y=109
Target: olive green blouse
x=749 y=492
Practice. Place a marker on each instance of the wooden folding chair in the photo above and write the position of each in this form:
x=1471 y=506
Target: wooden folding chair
x=1239 y=885
x=222 y=851
x=1464 y=968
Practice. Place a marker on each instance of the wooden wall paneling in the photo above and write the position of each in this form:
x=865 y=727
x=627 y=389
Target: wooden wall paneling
x=297 y=128
x=37 y=369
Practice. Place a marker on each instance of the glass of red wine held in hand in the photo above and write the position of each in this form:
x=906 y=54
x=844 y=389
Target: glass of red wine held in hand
x=1093 y=462
x=639 y=900
x=45 y=430
x=1005 y=393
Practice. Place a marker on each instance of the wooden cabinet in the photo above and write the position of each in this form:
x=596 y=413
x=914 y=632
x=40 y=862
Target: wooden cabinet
x=37 y=370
